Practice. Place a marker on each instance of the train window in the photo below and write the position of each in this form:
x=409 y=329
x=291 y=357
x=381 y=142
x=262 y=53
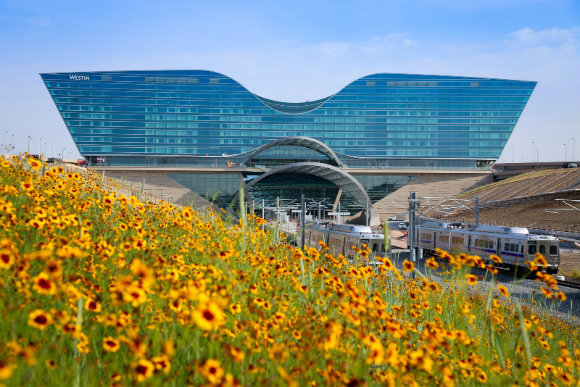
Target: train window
x=506 y=246
x=542 y=249
x=375 y=247
x=553 y=250
x=522 y=249
x=477 y=243
x=532 y=249
x=457 y=240
x=382 y=247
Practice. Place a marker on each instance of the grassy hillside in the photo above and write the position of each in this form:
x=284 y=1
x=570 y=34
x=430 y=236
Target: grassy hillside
x=101 y=289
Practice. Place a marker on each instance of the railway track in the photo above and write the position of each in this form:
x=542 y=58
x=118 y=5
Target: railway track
x=569 y=284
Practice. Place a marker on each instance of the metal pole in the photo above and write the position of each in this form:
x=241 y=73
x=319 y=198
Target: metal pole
x=339 y=218
x=368 y=216
x=411 y=232
x=303 y=221
x=477 y=210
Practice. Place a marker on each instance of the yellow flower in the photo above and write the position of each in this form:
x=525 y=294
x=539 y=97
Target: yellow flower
x=209 y=316
x=212 y=370
x=51 y=363
x=6 y=370
x=44 y=285
x=540 y=260
x=235 y=308
x=376 y=354
x=408 y=266
x=143 y=369
x=162 y=363
x=39 y=319
x=135 y=295
x=237 y=355
x=27 y=185
x=503 y=291
x=471 y=279
x=110 y=344
x=93 y=306
x=6 y=259
x=496 y=259
x=432 y=263
x=34 y=163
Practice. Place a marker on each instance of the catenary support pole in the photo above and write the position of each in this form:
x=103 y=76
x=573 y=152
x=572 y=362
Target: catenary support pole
x=303 y=220
x=477 y=210
x=411 y=232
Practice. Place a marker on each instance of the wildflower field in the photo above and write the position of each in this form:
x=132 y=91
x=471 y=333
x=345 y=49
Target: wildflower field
x=99 y=289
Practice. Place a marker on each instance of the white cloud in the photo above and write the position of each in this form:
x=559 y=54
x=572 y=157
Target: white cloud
x=333 y=48
x=557 y=36
x=379 y=44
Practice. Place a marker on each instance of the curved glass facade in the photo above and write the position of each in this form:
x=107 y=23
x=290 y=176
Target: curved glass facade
x=378 y=121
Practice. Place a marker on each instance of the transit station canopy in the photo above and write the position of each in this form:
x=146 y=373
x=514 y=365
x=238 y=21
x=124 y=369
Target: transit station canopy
x=301 y=141
x=327 y=172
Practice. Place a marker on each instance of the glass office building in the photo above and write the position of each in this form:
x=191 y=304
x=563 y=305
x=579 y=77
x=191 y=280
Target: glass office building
x=203 y=118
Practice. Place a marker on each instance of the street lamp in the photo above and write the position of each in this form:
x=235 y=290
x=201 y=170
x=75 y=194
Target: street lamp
x=573 y=147
x=565 y=151
x=533 y=151
x=28 y=149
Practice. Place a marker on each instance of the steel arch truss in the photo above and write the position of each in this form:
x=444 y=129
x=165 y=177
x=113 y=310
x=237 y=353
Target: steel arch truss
x=327 y=172
x=302 y=141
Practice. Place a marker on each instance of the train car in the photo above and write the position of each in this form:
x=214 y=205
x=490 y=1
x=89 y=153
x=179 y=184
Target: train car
x=514 y=245
x=343 y=238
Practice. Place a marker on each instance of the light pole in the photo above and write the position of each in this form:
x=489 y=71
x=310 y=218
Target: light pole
x=513 y=153
x=573 y=147
x=565 y=152
x=533 y=151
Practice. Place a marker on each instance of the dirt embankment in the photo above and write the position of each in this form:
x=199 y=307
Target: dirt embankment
x=570 y=262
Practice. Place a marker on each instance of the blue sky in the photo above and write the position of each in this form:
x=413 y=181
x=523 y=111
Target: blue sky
x=296 y=51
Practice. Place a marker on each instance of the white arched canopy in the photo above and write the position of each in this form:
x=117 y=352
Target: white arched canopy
x=302 y=141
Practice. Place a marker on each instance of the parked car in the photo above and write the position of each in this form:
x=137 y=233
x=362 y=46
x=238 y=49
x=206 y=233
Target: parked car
x=402 y=226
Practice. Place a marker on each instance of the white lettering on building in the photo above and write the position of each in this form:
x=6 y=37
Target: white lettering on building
x=79 y=77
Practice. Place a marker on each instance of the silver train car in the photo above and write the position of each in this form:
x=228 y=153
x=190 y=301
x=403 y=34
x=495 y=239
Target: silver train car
x=341 y=238
x=514 y=245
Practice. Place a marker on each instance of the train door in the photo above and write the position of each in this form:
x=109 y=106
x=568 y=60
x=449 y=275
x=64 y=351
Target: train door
x=532 y=249
x=434 y=240
x=498 y=247
x=469 y=244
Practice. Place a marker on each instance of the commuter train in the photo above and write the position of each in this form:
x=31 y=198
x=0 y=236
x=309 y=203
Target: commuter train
x=341 y=238
x=514 y=245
